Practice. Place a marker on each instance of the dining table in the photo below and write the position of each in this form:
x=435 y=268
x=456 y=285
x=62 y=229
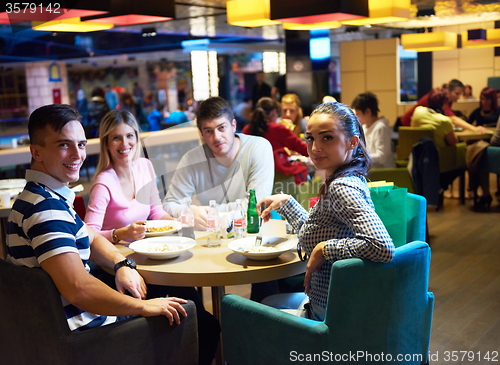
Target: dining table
x=218 y=267
x=470 y=136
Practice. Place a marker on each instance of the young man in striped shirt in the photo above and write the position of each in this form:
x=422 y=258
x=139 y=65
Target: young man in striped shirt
x=44 y=231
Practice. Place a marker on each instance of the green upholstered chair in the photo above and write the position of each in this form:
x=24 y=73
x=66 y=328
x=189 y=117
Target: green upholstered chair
x=284 y=183
x=451 y=158
x=400 y=176
x=373 y=309
x=34 y=330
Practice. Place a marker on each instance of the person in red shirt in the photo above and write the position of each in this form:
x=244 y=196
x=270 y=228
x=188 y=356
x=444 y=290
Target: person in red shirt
x=455 y=90
x=263 y=124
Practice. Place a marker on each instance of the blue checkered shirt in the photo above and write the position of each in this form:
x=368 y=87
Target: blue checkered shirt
x=345 y=218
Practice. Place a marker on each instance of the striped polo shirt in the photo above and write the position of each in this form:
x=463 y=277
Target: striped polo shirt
x=43 y=224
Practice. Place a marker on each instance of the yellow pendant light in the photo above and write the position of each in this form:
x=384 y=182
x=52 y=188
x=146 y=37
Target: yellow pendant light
x=384 y=11
x=492 y=40
x=428 y=42
x=249 y=13
x=312 y=26
x=70 y=25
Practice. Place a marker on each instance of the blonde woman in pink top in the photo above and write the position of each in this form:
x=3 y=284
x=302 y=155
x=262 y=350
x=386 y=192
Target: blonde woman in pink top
x=124 y=193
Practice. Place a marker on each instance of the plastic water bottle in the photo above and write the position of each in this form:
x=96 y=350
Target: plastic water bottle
x=213 y=227
x=212 y=218
x=240 y=221
x=187 y=219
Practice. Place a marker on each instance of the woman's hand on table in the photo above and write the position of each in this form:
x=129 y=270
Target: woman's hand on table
x=127 y=279
x=272 y=202
x=481 y=129
x=170 y=307
x=314 y=264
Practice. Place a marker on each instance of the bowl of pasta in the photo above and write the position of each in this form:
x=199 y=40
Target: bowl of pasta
x=162 y=248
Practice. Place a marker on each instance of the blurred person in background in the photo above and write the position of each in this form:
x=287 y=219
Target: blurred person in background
x=97 y=109
x=263 y=124
x=378 y=134
x=488 y=112
x=292 y=115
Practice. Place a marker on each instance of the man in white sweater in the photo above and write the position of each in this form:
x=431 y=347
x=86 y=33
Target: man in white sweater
x=378 y=134
x=223 y=169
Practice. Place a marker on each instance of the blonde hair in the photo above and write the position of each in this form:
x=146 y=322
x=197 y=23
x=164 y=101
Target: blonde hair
x=293 y=99
x=108 y=123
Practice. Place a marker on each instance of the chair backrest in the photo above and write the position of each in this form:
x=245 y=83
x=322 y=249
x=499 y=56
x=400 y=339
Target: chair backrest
x=400 y=176
x=31 y=312
x=450 y=157
x=416 y=218
x=490 y=160
x=382 y=307
x=408 y=136
x=79 y=206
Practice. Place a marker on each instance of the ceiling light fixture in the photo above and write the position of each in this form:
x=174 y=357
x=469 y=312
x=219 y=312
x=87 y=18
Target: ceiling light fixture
x=312 y=26
x=249 y=13
x=476 y=35
x=492 y=40
x=384 y=11
x=69 y=25
x=129 y=12
x=317 y=11
x=428 y=42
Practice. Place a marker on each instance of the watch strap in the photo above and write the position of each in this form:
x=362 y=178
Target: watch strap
x=127 y=262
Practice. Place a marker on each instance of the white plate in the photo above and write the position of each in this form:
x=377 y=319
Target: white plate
x=162 y=223
x=14 y=185
x=245 y=245
x=177 y=245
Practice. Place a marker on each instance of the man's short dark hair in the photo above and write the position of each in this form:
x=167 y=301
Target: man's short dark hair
x=453 y=84
x=213 y=108
x=54 y=115
x=98 y=91
x=367 y=100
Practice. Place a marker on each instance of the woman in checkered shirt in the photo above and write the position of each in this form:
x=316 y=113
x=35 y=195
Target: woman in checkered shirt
x=343 y=224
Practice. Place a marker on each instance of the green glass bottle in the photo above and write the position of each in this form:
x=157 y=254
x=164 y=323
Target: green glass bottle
x=252 y=216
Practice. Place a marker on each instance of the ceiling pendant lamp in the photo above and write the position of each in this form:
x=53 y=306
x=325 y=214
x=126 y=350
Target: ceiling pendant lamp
x=129 y=12
x=476 y=35
x=384 y=11
x=428 y=42
x=70 y=25
x=312 y=26
x=249 y=13
x=318 y=11
x=492 y=40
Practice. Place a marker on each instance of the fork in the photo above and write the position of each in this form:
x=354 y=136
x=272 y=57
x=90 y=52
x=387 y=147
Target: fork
x=258 y=239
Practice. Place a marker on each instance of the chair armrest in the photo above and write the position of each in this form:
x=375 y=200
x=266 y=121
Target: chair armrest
x=139 y=340
x=253 y=333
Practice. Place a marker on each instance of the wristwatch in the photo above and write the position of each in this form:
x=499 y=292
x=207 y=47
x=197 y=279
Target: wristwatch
x=127 y=262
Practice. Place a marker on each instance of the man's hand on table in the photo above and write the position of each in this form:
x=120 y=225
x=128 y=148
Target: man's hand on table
x=127 y=279
x=200 y=217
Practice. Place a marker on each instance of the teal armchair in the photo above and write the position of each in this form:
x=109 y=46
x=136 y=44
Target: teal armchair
x=373 y=309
